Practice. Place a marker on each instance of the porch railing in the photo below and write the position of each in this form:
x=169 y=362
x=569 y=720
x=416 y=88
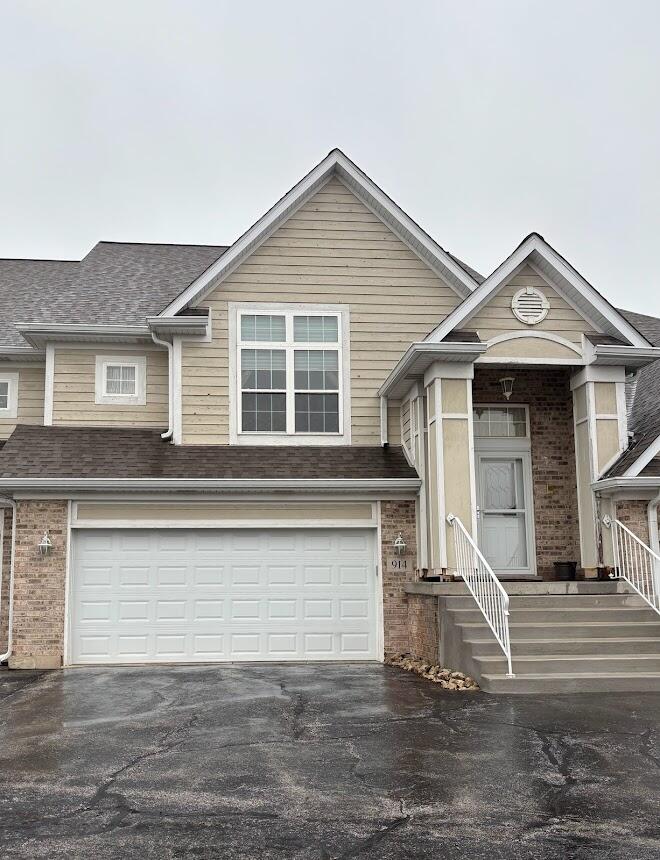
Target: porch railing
x=483 y=585
x=636 y=562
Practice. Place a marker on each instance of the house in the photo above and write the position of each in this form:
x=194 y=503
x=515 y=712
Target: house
x=304 y=445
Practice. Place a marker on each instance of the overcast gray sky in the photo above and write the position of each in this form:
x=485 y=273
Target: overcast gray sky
x=184 y=120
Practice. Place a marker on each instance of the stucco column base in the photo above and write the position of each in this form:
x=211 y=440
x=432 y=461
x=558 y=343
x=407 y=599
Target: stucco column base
x=40 y=661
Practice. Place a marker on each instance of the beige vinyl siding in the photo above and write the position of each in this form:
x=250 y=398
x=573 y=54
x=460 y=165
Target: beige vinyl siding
x=335 y=251
x=30 y=407
x=211 y=511
x=496 y=317
x=74 y=381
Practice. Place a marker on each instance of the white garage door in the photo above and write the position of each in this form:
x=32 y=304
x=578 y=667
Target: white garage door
x=171 y=595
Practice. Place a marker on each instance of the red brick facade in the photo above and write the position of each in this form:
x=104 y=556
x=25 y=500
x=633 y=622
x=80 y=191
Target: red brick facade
x=6 y=568
x=547 y=394
x=395 y=517
x=39 y=586
x=423 y=629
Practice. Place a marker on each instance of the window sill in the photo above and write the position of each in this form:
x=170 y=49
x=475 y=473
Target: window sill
x=291 y=439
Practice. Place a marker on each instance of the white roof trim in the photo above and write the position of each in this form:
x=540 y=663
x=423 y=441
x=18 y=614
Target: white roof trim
x=643 y=460
x=563 y=277
x=38 y=334
x=417 y=359
x=639 y=483
x=334 y=163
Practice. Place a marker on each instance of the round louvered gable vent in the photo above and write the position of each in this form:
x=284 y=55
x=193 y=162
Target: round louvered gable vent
x=530 y=306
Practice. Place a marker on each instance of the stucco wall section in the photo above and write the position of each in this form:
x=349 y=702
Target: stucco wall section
x=39 y=586
x=548 y=395
x=395 y=517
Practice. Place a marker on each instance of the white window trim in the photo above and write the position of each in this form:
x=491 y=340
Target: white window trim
x=236 y=436
x=139 y=362
x=12 y=391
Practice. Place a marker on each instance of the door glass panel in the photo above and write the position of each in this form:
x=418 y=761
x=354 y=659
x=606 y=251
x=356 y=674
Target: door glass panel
x=503 y=523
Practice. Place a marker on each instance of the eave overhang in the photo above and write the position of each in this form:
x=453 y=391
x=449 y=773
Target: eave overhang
x=39 y=334
x=630 y=357
x=189 y=326
x=210 y=485
x=612 y=485
x=419 y=357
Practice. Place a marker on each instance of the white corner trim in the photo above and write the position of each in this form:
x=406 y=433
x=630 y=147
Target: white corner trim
x=383 y=421
x=49 y=381
x=139 y=362
x=177 y=395
x=334 y=162
x=506 y=270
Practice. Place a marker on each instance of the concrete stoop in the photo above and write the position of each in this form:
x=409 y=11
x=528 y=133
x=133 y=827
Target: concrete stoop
x=600 y=640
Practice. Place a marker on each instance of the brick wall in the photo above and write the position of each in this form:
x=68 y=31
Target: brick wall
x=634 y=514
x=39 y=586
x=395 y=517
x=4 y=591
x=423 y=629
x=548 y=395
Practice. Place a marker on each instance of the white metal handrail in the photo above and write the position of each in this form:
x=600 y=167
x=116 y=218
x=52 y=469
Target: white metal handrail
x=483 y=585
x=636 y=562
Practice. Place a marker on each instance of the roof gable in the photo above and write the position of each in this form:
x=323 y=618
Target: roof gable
x=566 y=281
x=335 y=164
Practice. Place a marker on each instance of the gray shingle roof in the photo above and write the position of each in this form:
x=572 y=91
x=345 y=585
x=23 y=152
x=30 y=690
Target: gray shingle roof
x=117 y=283
x=645 y=415
x=107 y=452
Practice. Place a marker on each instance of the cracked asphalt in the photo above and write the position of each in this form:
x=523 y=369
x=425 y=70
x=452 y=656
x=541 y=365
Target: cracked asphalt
x=319 y=763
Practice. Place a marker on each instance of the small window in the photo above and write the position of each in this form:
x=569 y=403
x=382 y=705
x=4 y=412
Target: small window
x=121 y=380
x=8 y=395
x=500 y=422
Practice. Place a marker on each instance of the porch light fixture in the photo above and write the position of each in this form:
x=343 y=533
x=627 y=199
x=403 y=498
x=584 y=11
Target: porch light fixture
x=507 y=386
x=45 y=544
x=399 y=544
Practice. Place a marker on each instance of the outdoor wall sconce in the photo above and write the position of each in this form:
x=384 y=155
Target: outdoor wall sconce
x=507 y=386
x=399 y=544
x=45 y=544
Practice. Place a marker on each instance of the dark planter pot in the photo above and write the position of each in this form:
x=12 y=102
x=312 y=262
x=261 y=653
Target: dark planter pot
x=565 y=570
x=433 y=579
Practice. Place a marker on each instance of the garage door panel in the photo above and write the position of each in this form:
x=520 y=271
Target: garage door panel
x=187 y=596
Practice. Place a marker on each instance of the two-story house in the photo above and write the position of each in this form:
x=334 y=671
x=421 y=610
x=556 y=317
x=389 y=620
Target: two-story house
x=288 y=448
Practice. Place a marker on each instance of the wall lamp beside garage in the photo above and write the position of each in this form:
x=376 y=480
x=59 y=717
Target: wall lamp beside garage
x=45 y=544
x=399 y=544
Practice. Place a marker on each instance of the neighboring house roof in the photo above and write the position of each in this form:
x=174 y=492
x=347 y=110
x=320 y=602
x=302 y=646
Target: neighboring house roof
x=644 y=419
x=117 y=283
x=89 y=452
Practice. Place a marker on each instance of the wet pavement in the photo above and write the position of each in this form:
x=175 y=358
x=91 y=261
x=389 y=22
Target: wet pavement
x=319 y=762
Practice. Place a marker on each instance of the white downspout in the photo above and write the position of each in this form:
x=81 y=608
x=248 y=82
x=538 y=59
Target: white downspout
x=170 y=424
x=10 y=617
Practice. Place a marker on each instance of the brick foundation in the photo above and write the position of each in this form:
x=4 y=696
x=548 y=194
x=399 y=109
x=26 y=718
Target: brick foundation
x=6 y=567
x=547 y=394
x=423 y=629
x=39 y=586
x=395 y=517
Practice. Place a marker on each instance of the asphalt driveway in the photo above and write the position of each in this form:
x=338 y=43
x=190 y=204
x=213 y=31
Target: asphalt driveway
x=319 y=762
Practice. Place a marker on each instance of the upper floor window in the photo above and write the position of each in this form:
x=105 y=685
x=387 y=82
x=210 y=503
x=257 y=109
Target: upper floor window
x=120 y=379
x=8 y=395
x=290 y=363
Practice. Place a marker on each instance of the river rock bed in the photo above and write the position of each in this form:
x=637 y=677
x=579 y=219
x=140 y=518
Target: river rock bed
x=448 y=679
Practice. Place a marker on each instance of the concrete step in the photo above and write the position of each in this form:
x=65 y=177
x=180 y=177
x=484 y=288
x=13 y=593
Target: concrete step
x=613 y=645
x=571 y=630
x=558 y=601
x=569 y=664
x=569 y=614
x=578 y=682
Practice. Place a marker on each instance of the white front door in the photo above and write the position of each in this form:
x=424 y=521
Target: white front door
x=504 y=515
x=194 y=595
